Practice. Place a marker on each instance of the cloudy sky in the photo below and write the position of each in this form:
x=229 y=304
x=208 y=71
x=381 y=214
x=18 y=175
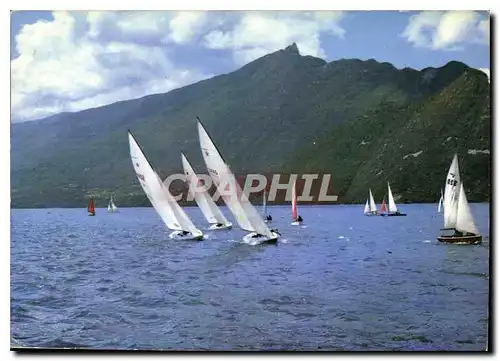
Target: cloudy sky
x=69 y=61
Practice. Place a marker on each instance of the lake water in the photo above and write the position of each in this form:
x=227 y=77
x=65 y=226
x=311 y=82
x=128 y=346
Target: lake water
x=344 y=282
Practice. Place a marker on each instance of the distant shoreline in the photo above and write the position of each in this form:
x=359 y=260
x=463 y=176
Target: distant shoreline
x=255 y=205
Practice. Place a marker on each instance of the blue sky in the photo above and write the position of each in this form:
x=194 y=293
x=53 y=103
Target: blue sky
x=69 y=61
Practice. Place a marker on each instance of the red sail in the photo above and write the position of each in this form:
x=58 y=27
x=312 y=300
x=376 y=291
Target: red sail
x=383 y=208
x=91 y=207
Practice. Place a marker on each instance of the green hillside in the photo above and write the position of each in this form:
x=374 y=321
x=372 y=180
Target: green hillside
x=283 y=112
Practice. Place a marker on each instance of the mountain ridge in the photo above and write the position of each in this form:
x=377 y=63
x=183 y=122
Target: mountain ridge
x=274 y=106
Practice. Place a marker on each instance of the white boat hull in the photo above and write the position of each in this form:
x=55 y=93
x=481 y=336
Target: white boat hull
x=214 y=227
x=178 y=235
x=253 y=238
x=296 y=223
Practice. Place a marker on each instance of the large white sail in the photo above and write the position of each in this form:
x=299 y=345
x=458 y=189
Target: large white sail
x=392 y=204
x=465 y=220
x=207 y=205
x=373 y=206
x=246 y=215
x=159 y=196
x=451 y=194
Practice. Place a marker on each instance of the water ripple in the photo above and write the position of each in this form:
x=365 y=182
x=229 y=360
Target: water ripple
x=346 y=282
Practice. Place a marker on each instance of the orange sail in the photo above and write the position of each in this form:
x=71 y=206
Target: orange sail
x=91 y=207
x=383 y=208
x=294 y=203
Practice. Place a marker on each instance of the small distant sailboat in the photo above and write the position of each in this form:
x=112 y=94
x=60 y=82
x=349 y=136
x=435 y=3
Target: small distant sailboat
x=210 y=211
x=457 y=214
x=112 y=208
x=91 y=207
x=159 y=195
x=243 y=211
x=440 y=203
x=297 y=219
x=370 y=206
x=269 y=218
x=383 y=208
x=393 y=209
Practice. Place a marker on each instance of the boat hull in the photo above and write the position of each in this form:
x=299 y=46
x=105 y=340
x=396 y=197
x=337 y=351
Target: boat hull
x=393 y=214
x=91 y=214
x=260 y=239
x=214 y=227
x=475 y=239
x=371 y=214
x=177 y=235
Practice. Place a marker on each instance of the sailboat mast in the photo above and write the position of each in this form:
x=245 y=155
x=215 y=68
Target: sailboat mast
x=264 y=202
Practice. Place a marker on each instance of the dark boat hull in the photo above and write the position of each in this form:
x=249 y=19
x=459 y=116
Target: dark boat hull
x=271 y=241
x=393 y=214
x=475 y=239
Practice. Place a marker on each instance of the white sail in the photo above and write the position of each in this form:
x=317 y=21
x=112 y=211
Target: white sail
x=367 y=207
x=207 y=205
x=180 y=215
x=465 y=220
x=373 y=206
x=392 y=204
x=246 y=215
x=440 y=204
x=451 y=193
x=159 y=196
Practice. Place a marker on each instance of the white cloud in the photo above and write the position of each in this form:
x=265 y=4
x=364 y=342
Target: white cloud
x=447 y=30
x=486 y=71
x=186 y=25
x=254 y=34
x=87 y=59
x=75 y=62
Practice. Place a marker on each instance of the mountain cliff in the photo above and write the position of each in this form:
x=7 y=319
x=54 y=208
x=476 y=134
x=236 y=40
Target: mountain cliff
x=364 y=122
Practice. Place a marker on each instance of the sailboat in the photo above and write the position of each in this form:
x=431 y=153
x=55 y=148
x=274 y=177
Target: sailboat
x=245 y=214
x=393 y=209
x=210 y=211
x=383 y=208
x=159 y=195
x=91 y=207
x=370 y=206
x=296 y=219
x=112 y=208
x=457 y=213
x=264 y=207
x=440 y=203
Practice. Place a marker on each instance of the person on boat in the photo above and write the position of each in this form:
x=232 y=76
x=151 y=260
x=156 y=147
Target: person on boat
x=183 y=233
x=299 y=219
x=218 y=225
x=269 y=218
x=257 y=235
x=276 y=231
x=458 y=233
